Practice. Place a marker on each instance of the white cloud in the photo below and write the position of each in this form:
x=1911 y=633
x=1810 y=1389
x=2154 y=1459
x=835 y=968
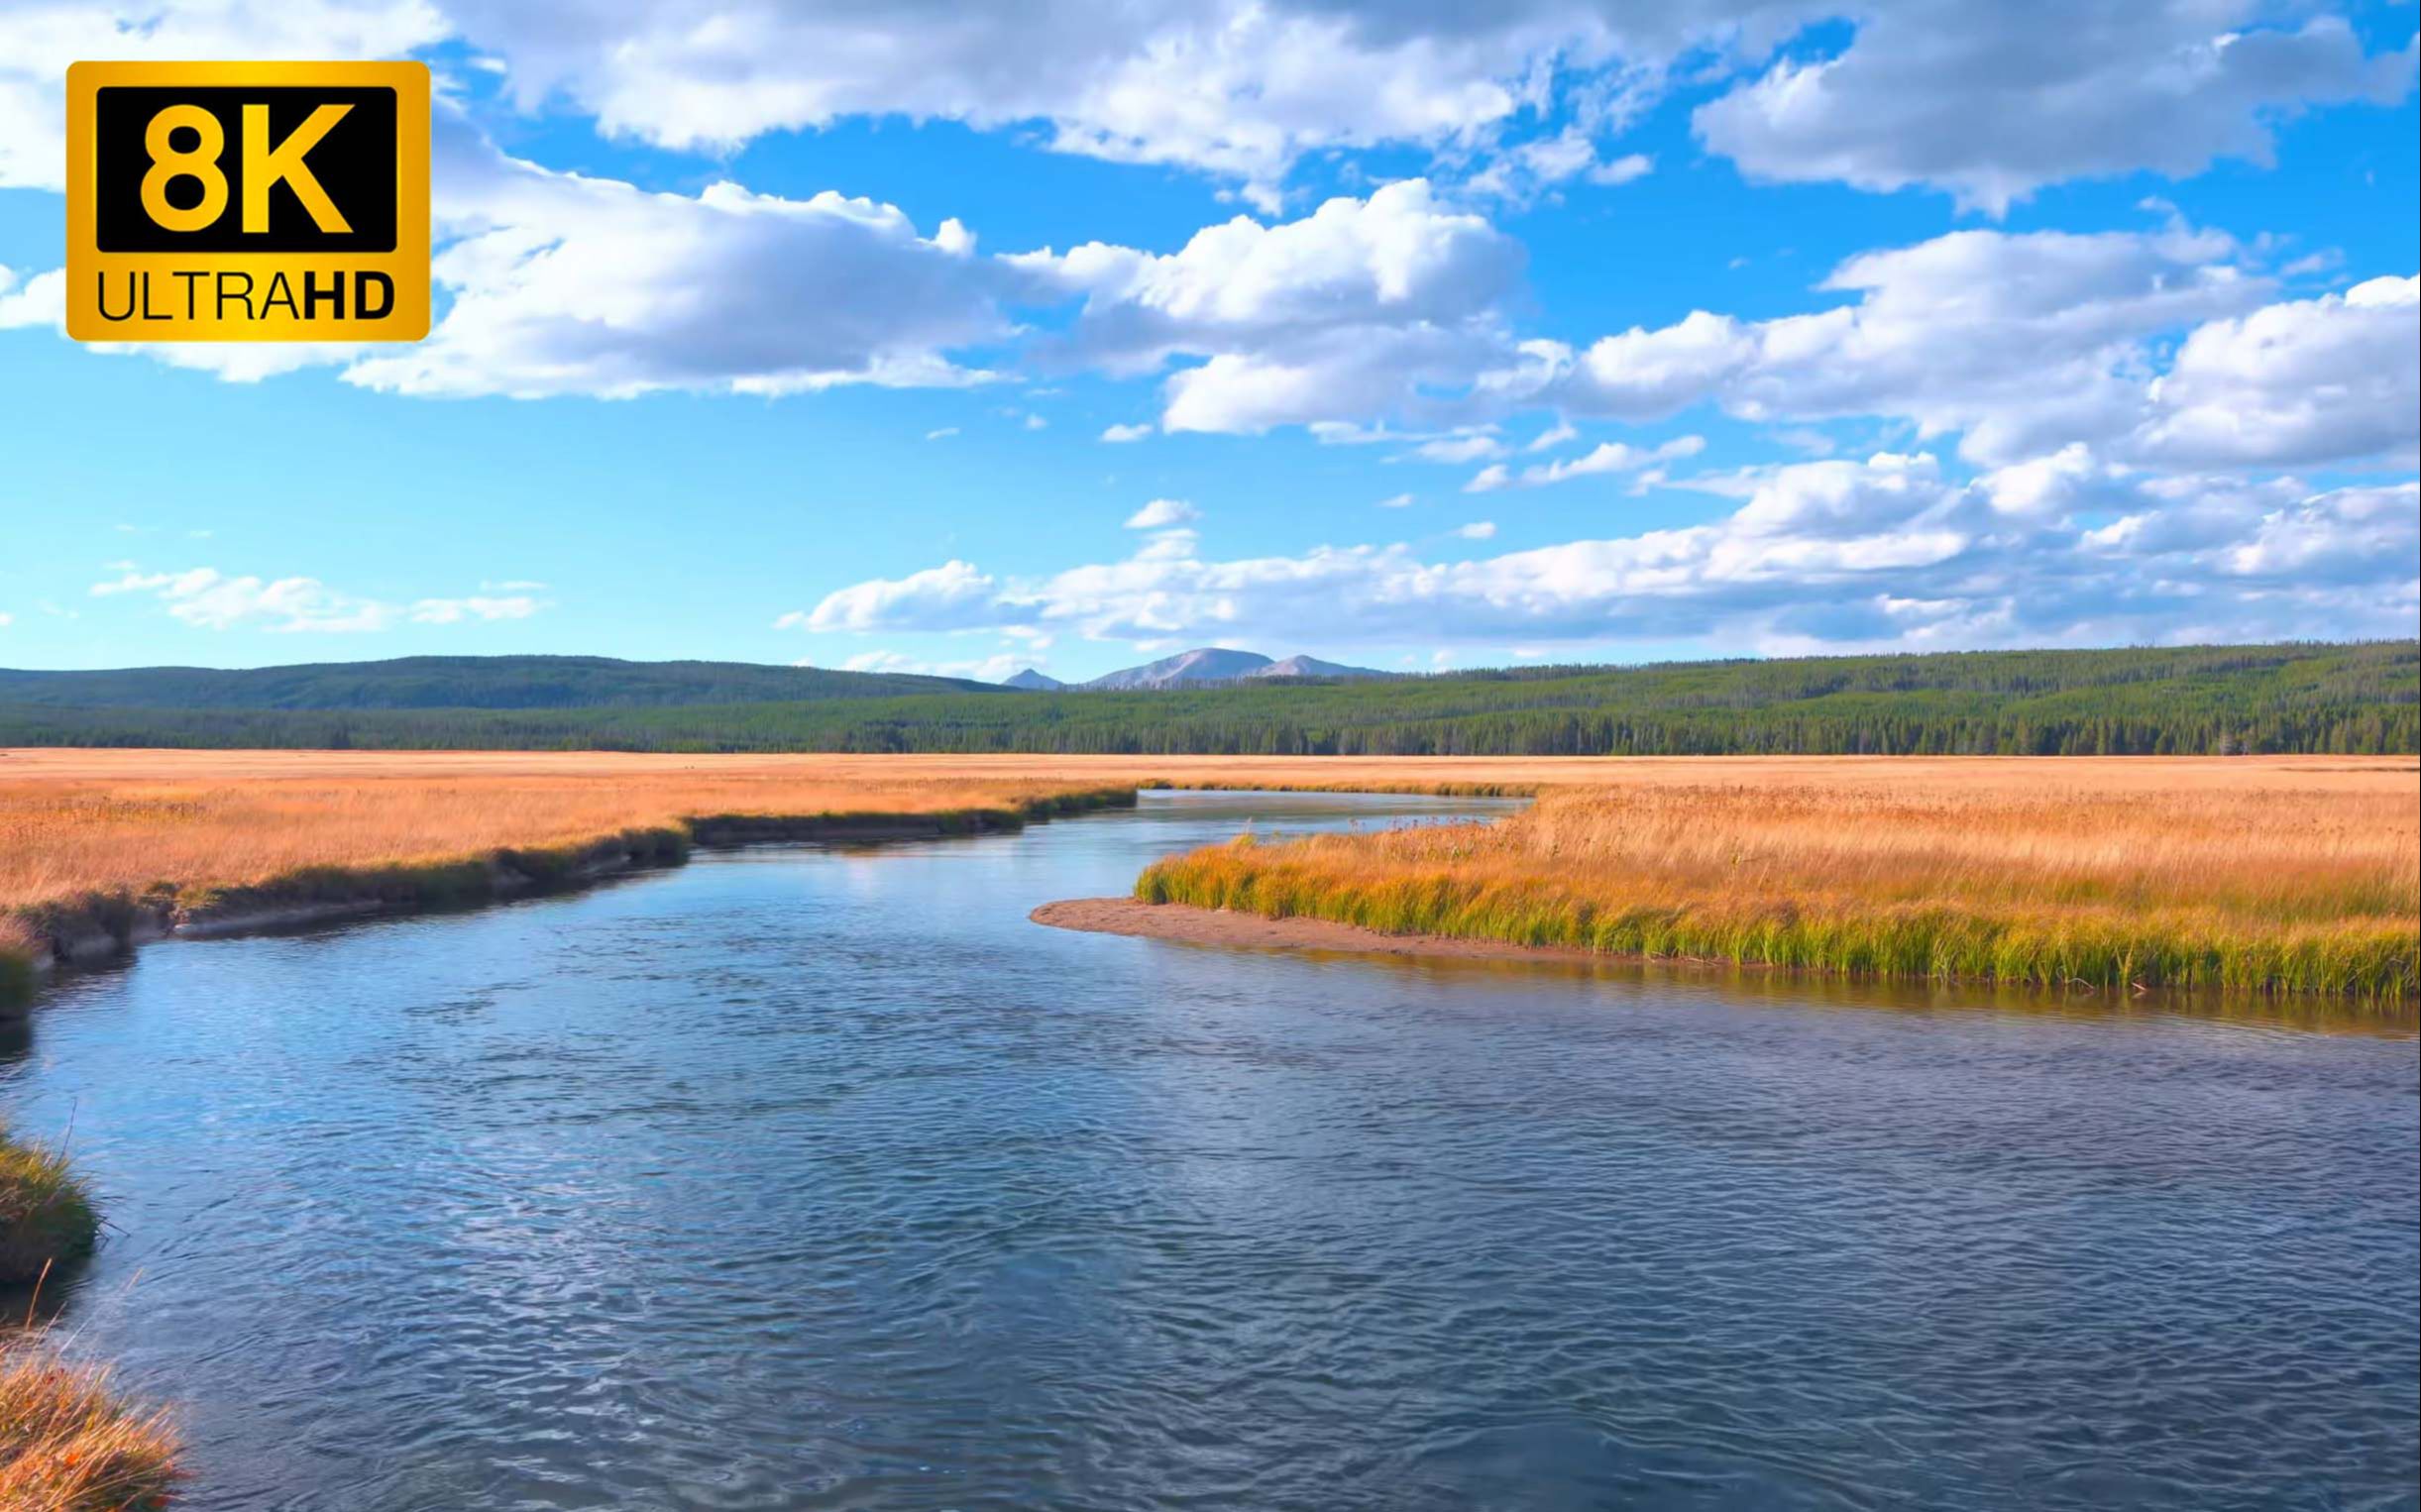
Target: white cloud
x=1162 y=513
x=1888 y=551
x=38 y=39
x=568 y=285
x=1331 y=316
x=1470 y=447
x=2337 y=378
x=932 y=598
x=207 y=598
x=1396 y=501
x=989 y=669
x=2020 y=343
x=1609 y=458
x=447 y=611
x=1125 y=433
x=39 y=301
x=1477 y=530
x=1981 y=97
x=942 y=433
x=1991 y=101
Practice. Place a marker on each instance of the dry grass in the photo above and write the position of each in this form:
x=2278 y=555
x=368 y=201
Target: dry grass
x=2035 y=872
x=69 y=1443
x=45 y=1218
x=2272 y=846
x=79 y=821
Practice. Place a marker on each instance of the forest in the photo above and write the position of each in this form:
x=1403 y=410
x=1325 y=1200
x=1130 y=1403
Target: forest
x=2308 y=697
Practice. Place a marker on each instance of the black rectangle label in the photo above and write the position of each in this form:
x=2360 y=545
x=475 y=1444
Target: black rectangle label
x=324 y=188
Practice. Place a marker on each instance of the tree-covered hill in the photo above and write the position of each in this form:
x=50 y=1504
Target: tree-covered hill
x=2211 y=700
x=458 y=682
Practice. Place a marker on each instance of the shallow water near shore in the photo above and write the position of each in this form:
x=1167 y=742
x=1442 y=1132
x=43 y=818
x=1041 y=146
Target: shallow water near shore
x=817 y=1177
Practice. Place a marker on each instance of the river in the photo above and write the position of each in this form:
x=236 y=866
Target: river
x=812 y=1177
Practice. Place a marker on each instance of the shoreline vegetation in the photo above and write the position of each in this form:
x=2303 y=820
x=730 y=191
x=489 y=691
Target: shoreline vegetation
x=2026 y=879
x=2269 y=875
x=212 y=863
x=69 y=1442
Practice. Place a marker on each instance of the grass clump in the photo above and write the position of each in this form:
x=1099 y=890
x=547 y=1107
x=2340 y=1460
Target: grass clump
x=2009 y=878
x=45 y=1218
x=71 y=1443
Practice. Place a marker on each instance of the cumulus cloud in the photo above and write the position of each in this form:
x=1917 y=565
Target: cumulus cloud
x=1609 y=457
x=988 y=669
x=2019 y=342
x=1991 y=101
x=1125 y=433
x=953 y=595
x=2335 y=379
x=37 y=300
x=1330 y=316
x=208 y=599
x=1887 y=552
x=569 y=284
x=481 y=606
x=1983 y=98
x=1162 y=513
x=38 y=39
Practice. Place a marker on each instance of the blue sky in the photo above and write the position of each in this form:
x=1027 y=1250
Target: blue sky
x=1559 y=332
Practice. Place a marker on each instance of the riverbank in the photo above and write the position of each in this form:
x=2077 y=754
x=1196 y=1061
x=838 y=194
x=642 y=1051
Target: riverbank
x=1994 y=868
x=1190 y=926
x=39 y=937
x=2013 y=878
x=69 y=1441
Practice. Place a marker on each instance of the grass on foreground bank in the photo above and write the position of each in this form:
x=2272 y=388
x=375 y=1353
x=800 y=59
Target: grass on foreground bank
x=69 y=1443
x=103 y=854
x=2014 y=876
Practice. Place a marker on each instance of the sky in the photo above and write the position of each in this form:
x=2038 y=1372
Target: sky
x=938 y=337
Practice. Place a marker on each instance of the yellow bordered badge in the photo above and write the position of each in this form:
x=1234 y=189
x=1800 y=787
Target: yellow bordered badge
x=248 y=201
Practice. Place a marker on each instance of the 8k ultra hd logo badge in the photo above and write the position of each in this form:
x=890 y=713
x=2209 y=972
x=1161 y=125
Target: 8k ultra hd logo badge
x=248 y=201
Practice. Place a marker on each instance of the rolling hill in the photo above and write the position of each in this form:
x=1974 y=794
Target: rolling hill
x=2359 y=699
x=459 y=682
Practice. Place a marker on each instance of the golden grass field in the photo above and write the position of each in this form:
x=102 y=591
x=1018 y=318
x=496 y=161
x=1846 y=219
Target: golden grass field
x=2009 y=867
x=2283 y=875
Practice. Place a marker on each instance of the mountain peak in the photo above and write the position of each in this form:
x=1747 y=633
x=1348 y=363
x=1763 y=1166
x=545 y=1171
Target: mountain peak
x=1032 y=681
x=1205 y=664
x=1221 y=664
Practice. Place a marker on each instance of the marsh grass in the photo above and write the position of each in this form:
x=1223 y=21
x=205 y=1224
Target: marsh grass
x=45 y=1217
x=102 y=856
x=2024 y=879
x=71 y=1443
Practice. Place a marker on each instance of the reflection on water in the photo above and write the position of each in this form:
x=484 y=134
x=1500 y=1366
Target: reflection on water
x=821 y=1178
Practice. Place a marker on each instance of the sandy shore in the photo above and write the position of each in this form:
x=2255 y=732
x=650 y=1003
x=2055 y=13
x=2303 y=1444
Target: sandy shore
x=1219 y=926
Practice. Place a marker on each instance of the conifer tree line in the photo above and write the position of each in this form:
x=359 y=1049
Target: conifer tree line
x=2311 y=698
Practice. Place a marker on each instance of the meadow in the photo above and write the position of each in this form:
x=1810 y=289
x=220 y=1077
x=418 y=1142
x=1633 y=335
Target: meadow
x=2263 y=876
x=2268 y=873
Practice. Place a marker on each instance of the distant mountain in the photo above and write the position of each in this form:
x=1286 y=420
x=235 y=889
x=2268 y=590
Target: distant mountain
x=1217 y=664
x=1313 y=667
x=459 y=681
x=1209 y=664
x=1033 y=681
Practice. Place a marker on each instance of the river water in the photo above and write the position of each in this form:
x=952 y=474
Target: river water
x=821 y=1178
